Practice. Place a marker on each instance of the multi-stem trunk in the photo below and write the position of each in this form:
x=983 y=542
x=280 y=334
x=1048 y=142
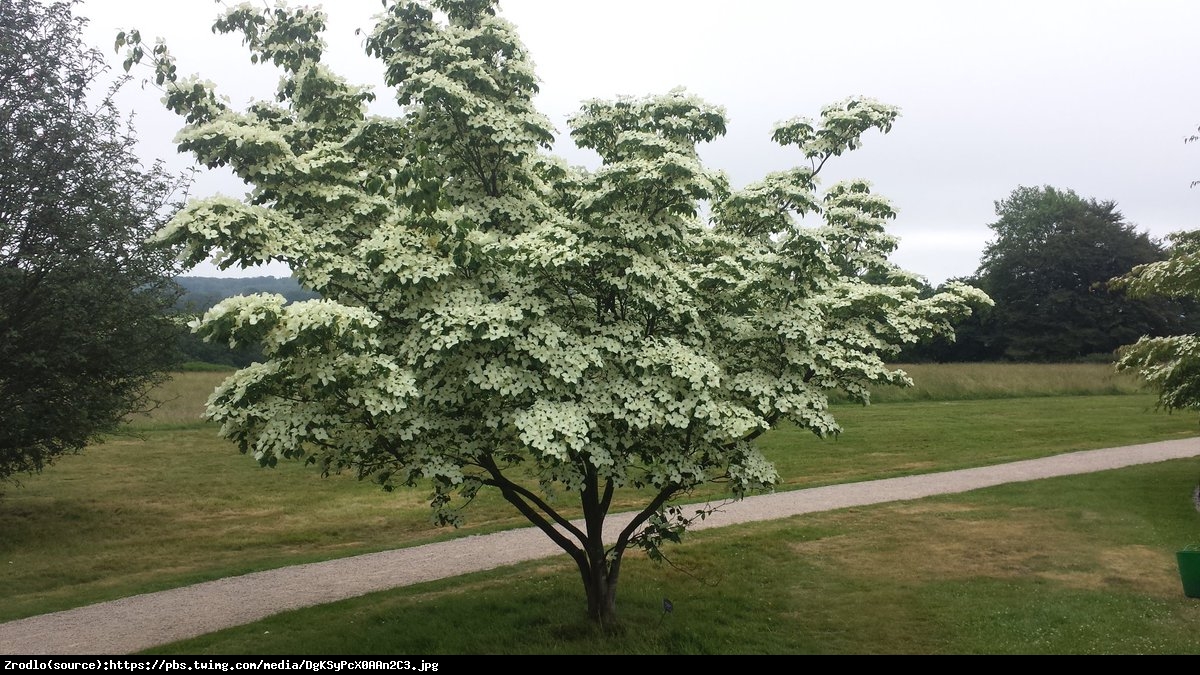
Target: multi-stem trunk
x=600 y=575
x=599 y=565
x=599 y=568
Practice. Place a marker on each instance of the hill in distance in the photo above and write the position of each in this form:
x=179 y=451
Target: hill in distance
x=200 y=293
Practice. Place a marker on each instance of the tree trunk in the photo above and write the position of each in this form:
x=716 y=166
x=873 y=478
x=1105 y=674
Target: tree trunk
x=600 y=580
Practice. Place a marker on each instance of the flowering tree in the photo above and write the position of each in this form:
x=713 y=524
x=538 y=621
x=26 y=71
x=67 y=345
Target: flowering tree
x=1169 y=364
x=494 y=318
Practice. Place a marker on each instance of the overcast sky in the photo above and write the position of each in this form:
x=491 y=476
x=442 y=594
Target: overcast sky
x=1090 y=95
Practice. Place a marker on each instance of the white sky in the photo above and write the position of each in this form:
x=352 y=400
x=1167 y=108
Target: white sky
x=1089 y=95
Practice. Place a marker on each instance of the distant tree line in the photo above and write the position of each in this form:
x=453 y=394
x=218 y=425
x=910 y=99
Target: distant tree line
x=1048 y=270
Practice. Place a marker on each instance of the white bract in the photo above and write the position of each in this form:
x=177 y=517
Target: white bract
x=1171 y=365
x=495 y=318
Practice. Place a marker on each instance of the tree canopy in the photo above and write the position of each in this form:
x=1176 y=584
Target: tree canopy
x=1047 y=269
x=493 y=318
x=199 y=294
x=1170 y=364
x=84 y=331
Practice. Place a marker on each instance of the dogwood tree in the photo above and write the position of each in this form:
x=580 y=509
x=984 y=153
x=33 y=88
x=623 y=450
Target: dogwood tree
x=1171 y=365
x=493 y=318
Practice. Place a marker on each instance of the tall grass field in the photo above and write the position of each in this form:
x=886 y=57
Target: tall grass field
x=170 y=503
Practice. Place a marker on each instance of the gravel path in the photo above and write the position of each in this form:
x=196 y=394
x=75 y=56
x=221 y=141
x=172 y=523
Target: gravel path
x=132 y=624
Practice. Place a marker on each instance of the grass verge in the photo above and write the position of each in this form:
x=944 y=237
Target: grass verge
x=1074 y=565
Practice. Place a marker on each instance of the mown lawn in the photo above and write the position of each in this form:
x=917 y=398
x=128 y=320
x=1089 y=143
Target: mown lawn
x=174 y=504
x=1074 y=565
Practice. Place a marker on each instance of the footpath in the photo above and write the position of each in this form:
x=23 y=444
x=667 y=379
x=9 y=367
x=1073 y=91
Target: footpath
x=140 y=622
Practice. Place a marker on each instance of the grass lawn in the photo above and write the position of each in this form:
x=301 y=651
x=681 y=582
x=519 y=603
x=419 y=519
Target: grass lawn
x=176 y=505
x=1073 y=565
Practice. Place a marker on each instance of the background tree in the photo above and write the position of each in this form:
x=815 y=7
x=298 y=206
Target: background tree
x=1047 y=269
x=491 y=318
x=83 y=328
